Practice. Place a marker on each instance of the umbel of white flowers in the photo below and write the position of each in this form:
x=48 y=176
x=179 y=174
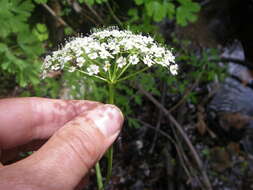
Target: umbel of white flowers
x=107 y=54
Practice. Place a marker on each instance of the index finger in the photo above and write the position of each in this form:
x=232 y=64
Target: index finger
x=25 y=119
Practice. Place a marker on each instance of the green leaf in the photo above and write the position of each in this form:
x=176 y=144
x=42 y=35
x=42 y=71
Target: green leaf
x=170 y=9
x=149 y=8
x=13 y=16
x=139 y=2
x=134 y=15
x=133 y=122
x=186 y=12
x=100 y=1
x=89 y=2
x=68 y=31
x=3 y=47
x=40 y=1
x=138 y=99
x=5 y=65
x=160 y=11
x=40 y=31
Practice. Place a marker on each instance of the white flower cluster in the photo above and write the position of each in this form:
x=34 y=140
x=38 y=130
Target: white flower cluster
x=108 y=53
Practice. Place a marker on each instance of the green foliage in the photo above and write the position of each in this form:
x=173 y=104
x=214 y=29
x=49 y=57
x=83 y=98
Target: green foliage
x=195 y=69
x=22 y=39
x=186 y=12
x=14 y=15
x=40 y=1
x=19 y=47
x=92 y=2
x=40 y=31
x=158 y=10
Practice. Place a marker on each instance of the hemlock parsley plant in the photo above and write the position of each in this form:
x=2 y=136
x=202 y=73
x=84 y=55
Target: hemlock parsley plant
x=110 y=55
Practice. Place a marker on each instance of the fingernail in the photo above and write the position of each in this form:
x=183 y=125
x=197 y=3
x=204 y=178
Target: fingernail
x=107 y=118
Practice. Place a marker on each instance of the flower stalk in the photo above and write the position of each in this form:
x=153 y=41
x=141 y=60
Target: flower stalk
x=99 y=177
x=110 y=150
x=112 y=56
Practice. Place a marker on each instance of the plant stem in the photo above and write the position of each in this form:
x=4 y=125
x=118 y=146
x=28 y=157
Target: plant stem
x=109 y=153
x=99 y=177
x=111 y=93
x=132 y=75
x=109 y=164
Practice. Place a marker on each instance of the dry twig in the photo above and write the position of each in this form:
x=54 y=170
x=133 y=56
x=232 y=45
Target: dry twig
x=160 y=115
x=95 y=13
x=57 y=17
x=182 y=133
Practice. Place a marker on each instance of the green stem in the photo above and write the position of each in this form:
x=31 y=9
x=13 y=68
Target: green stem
x=123 y=70
x=87 y=74
x=109 y=164
x=109 y=153
x=132 y=75
x=99 y=177
x=111 y=93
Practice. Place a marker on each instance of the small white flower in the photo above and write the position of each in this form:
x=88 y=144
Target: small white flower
x=96 y=52
x=72 y=69
x=93 y=55
x=47 y=64
x=87 y=49
x=169 y=57
x=116 y=50
x=128 y=44
x=104 y=54
x=148 y=61
x=56 y=53
x=174 y=69
x=67 y=58
x=106 y=66
x=93 y=70
x=80 y=60
x=133 y=59
x=121 y=62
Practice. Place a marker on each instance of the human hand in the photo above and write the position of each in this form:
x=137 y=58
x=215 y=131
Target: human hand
x=79 y=133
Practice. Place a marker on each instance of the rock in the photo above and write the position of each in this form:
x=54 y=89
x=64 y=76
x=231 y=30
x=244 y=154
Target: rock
x=231 y=109
x=233 y=97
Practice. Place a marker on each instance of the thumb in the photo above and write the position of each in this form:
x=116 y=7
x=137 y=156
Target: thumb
x=69 y=154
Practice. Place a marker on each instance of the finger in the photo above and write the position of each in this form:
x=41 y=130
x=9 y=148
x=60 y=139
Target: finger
x=69 y=154
x=26 y=119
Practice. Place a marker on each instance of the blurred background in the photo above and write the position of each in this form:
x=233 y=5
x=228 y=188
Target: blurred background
x=190 y=131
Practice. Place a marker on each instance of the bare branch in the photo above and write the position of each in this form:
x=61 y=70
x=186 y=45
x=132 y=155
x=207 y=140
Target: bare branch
x=57 y=17
x=182 y=133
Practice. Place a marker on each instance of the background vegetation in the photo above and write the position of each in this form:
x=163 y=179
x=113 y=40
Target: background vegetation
x=31 y=29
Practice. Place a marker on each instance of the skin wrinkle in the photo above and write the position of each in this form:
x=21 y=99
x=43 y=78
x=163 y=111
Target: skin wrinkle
x=11 y=179
x=88 y=134
x=73 y=110
x=76 y=153
x=62 y=162
x=41 y=109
